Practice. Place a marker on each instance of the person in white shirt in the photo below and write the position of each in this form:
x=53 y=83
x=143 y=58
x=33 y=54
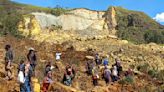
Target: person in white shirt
x=114 y=74
x=58 y=56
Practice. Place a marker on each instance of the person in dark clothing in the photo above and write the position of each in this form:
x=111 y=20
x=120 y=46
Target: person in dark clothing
x=69 y=75
x=31 y=56
x=118 y=65
x=97 y=59
x=21 y=77
x=107 y=75
x=8 y=61
x=89 y=67
x=95 y=76
x=48 y=68
x=21 y=66
x=28 y=75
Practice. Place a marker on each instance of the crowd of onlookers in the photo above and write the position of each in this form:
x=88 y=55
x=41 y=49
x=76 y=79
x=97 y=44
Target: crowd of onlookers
x=29 y=83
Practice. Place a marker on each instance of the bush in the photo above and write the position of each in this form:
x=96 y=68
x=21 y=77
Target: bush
x=160 y=75
x=156 y=36
x=143 y=68
x=126 y=80
x=10 y=22
x=152 y=73
x=57 y=11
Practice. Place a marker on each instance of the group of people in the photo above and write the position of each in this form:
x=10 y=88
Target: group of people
x=26 y=70
x=108 y=74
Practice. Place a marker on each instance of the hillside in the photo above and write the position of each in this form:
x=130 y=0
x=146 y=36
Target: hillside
x=80 y=33
x=138 y=27
x=148 y=57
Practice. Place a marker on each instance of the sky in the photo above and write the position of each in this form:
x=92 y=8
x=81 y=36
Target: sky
x=154 y=8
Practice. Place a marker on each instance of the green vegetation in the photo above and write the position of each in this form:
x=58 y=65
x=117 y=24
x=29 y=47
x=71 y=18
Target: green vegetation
x=154 y=73
x=9 y=18
x=138 y=27
x=160 y=75
x=57 y=11
x=143 y=68
x=11 y=14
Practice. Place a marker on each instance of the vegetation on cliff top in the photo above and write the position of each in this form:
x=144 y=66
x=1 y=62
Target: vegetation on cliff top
x=138 y=27
x=11 y=14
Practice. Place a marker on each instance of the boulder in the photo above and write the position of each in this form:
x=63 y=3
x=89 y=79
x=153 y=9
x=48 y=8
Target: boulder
x=89 y=57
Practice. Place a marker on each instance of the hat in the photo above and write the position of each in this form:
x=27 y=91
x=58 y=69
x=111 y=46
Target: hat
x=31 y=49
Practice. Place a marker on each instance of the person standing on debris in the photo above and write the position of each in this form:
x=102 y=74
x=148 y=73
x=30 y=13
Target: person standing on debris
x=58 y=54
x=118 y=65
x=31 y=56
x=114 y=73
x=58 y=57
x=89 y=67
x=8 y=61
x=95 y=76
x=21 y=76
x=107 y=75
x=97 y=59
x=69 y=75
x=28 y=75
x=47 y=82
x=48 y=68
x=106 y=61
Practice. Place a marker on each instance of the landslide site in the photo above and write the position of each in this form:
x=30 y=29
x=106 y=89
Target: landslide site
x=132 y=36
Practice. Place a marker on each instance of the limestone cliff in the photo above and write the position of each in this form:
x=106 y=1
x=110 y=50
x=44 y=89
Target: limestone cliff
x=79 y=23
x=29 y=26
x=111 y=19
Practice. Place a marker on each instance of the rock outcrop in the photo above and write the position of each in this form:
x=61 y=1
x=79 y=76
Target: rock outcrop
x=77 y=23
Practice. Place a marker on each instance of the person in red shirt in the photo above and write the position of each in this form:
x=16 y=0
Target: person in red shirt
x=47 y=81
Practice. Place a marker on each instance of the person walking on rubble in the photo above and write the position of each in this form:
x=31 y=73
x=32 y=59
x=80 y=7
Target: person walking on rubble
x=8 y=61
x=31 y=56
x=69 y=75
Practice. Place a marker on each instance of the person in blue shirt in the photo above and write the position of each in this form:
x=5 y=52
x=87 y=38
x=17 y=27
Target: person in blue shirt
x=28 y=75
x=106 y=62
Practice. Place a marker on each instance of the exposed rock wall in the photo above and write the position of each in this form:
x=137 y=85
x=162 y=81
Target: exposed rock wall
x=111 y=20
x=78 y=19
x=77 y=23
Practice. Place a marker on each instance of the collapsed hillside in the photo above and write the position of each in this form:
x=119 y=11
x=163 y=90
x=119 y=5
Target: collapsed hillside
x=80 y=33
x=147 y=57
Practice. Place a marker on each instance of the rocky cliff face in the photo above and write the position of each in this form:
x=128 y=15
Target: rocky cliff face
x=78 y=19
x=80 y=23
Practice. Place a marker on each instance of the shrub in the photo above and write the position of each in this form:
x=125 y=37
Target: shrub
x=57 y=11
x=152 y=73
x=126 y=80
x=160 y=75
x=156 y=36
x=143 y=68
